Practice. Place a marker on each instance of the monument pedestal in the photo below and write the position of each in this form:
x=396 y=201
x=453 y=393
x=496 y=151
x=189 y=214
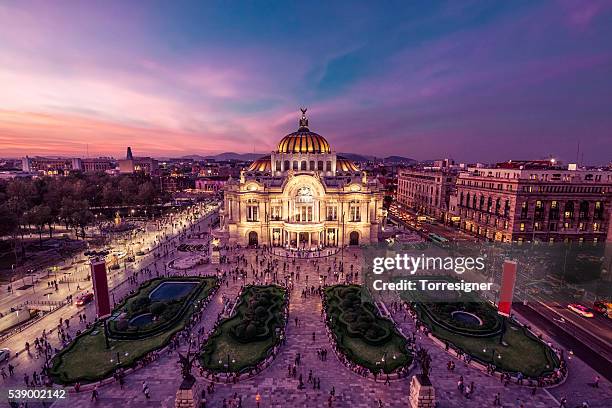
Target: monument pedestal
x=188 y=394
x=422 y=393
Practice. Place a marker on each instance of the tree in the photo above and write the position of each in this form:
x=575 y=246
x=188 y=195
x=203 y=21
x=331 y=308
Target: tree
x=82 y=217
x=9 y=225
x=39 y=216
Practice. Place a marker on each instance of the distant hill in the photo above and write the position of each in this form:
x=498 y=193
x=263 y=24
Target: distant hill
x=398 y=159
x=253 y=156
x=226 y=156
x=356 y=157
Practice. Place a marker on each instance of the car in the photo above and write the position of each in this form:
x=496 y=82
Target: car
x=605 y=308
x=5 y=354
x=580 y=309
x=84 y=299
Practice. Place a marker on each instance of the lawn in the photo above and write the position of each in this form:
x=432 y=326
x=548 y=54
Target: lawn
x=523 y=353
x=87 y=359
x=246 y=338
x=362 y=334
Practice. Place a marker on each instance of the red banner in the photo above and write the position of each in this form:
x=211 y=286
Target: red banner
x=100 y=286
x=506 y=293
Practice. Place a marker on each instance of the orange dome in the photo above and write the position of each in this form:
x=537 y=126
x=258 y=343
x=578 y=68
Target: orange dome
x=345 y=165
x=303 y=141
x=262 y=165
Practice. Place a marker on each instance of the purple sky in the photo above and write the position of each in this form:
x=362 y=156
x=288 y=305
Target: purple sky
x=472 y=80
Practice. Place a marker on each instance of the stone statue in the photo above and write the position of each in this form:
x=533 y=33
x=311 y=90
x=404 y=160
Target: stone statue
x=186 y=363
x=424 y=359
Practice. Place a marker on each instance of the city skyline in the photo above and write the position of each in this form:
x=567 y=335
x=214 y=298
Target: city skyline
x=476 y=82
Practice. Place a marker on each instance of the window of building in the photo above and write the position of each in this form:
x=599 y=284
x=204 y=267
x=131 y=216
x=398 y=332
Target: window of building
x=569 y=210
x=332 y=213
x=583 y=211
x=295 y=165
x=524 y=209
x=354 y=211
x=277 y=213
x=553 y=213
x=312 y=165
x=303 y=166
x=320 y=165
x=286 y=165
x=328 y=166
x=596 y=227
x=252 y=210
x=522 y=227
x=598 y=214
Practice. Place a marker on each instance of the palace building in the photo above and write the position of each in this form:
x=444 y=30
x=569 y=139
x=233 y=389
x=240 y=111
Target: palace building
x=302 y=196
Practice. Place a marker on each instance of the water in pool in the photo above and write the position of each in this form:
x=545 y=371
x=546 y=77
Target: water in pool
x=141 y=320
x=171 y=290
x=467 y=318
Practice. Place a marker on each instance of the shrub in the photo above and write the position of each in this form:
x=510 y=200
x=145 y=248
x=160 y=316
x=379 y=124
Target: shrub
x=140 y=304
x=157 y=308
x=122 y=324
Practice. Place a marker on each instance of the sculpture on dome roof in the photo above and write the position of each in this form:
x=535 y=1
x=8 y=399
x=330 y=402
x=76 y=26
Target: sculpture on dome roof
x=304 y=120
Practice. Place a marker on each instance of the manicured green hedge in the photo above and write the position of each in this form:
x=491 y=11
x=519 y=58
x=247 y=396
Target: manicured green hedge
x=361 y=333
x=246 y=338
x=169 y=311
x=86 y=359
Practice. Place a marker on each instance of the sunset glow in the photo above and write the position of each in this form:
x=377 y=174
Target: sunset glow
x=417 y=80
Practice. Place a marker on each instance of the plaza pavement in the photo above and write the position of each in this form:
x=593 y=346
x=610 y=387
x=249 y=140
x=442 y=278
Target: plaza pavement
x=351 y=390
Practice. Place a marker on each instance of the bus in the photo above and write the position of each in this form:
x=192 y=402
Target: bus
x=438 y=240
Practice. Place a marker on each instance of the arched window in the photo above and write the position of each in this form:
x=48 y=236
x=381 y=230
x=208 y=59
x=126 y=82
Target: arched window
x=303 y=166
x=286 y=165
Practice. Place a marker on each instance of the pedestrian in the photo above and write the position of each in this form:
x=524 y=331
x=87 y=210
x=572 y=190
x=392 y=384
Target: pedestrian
x=145 y=389
x=94 y=394
x=497 y=400
x=563 y=403
x=596 y=383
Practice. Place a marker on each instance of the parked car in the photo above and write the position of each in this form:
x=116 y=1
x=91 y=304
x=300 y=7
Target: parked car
x=84 y=299
x=580 y=309
x=4 y=354
x=605 y=308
